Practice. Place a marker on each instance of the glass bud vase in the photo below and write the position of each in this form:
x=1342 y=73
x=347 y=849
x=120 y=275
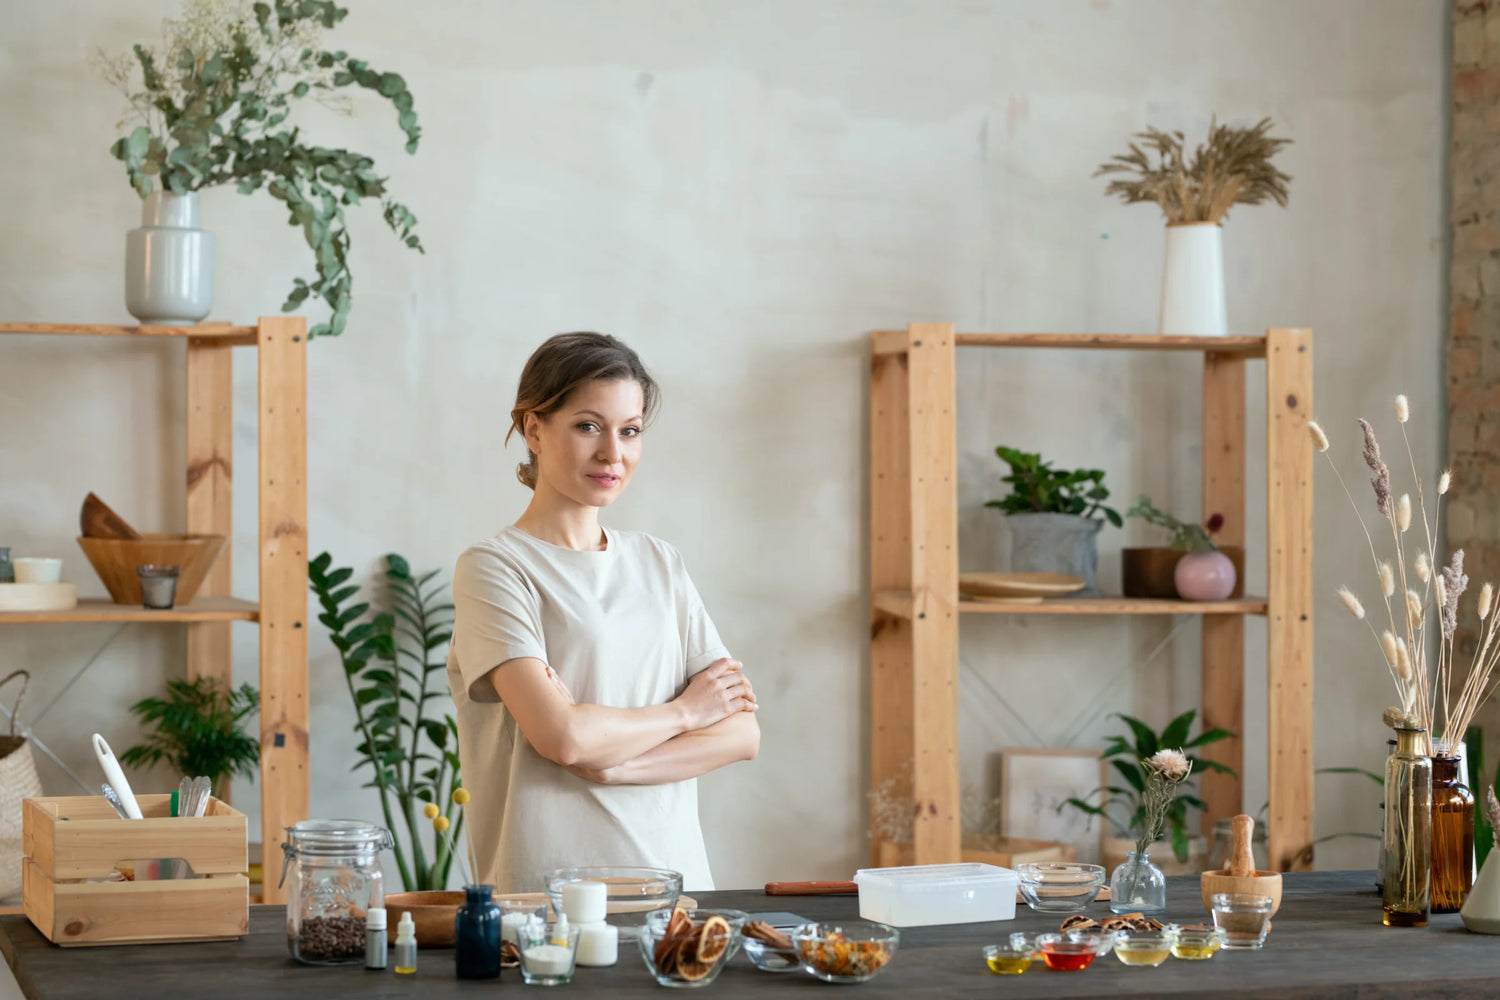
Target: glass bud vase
x=1408 y=831
x=1138 y=886
x=1452 y=837
x=477 y=935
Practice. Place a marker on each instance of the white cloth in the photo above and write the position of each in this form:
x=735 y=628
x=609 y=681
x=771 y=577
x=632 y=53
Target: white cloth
x=622 y=627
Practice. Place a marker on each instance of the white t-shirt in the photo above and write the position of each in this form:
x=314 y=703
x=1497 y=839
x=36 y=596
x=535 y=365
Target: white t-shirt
x=622 y=627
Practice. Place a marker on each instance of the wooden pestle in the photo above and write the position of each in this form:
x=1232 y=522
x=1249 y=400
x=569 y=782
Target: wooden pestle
x=1241 y=861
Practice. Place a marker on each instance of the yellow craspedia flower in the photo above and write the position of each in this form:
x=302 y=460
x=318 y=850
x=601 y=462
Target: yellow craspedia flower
x=440 y=824
x=430 y=810
x=461 y=796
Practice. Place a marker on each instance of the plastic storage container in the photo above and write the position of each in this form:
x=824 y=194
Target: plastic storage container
x=920 y=895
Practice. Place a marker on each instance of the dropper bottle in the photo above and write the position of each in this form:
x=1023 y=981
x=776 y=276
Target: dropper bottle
x=406 y=945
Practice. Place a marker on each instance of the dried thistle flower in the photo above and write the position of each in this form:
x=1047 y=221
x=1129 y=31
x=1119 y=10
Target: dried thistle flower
x=1351 y=602
x=1444 y=479
x=1486 y=596
x=1381 y=481
x=1454 y=583
x=1403 y=413
x=1171 y=764
x=1403 y=512
x=1233 y=167
x=1395 y=718
x=1387 y=579
x=1320 y=440
x=1423 y=567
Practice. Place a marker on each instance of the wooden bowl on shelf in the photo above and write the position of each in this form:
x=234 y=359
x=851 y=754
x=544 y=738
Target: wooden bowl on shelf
x=115 y=560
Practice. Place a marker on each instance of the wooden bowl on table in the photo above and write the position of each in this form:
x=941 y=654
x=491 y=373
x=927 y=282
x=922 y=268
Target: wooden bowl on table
x=435 y=913
x=116 y=559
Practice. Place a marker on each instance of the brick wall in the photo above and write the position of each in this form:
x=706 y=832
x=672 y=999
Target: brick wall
x=1473 y=349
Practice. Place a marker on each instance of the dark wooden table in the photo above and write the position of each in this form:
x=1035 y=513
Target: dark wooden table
x=1328 y=942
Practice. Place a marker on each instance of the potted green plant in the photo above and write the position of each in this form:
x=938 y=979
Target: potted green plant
x=1123 y=806
x=1209 y=572
x=394 y=662
x=198 y=730
x=1055 y=516
x=214 y=106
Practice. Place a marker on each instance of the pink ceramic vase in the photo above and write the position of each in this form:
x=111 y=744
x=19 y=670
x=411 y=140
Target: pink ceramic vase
x=1204 y=576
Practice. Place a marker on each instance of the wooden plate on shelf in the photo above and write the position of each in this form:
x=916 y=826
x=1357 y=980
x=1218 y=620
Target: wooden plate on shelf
x=1028 y=588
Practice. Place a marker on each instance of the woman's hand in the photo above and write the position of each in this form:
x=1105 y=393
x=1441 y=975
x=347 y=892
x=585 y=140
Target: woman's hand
x=716 y=693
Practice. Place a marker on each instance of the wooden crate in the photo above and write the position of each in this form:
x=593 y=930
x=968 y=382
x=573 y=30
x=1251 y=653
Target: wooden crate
x=68 y=841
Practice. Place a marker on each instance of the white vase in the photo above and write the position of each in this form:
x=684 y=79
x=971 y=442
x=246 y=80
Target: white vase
x=1192 y=283
x=169 y=262
x=1481 y=911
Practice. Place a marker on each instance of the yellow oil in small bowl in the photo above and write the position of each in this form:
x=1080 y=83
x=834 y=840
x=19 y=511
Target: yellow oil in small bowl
x=1008 y=963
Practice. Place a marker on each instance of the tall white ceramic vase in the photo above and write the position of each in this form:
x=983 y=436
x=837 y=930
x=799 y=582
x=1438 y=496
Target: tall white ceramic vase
x=169 y=262
x=1481 y=911
x=1192 y=284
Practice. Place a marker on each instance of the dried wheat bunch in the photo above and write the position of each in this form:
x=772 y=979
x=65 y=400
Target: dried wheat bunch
x=1232 y=167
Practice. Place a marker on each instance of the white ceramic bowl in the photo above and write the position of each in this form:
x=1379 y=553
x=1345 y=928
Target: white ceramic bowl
x=37 y=569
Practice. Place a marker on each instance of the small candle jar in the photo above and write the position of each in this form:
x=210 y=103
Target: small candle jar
x=158 y=586
x=547 y=952
x=598 y=944
x=1244 y=918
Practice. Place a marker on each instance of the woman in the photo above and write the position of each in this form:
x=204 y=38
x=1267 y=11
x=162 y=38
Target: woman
x=591 y=685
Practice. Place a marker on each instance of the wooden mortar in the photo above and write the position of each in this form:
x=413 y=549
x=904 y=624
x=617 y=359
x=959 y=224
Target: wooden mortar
x=1239 y=874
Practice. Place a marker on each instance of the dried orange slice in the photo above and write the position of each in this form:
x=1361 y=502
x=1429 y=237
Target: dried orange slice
x=689 y=966
x=680 y=922
x=713 y=939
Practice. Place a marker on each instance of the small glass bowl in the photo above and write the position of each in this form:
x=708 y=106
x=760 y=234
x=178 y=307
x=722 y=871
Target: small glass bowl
x=1008 y=960
x=545 y=962
x=768 y=958
x=1073 y=952
x=846 y=952
x=1059 y=886
x=631 y=893
x=1145 y=950
x=1243 y=917
x=696 y=974
x=1196 y=943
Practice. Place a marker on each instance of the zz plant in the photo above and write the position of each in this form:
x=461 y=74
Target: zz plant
x=390 y=655
x=214 y=105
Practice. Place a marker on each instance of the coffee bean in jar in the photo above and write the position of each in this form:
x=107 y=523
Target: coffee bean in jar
x=330 y=939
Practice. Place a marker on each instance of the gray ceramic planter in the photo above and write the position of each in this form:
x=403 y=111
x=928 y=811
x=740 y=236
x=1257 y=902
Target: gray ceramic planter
x=1056 y=543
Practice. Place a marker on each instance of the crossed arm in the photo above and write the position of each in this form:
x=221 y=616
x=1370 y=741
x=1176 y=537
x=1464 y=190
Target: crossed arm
x=711 y=724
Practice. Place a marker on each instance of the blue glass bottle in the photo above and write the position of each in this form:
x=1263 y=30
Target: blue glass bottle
x=477 y=937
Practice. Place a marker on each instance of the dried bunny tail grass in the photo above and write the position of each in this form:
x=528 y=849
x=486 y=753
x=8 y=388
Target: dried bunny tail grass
x=1486 y=596
x=1381 y=481
x=1387 y=579
x=1444 y=480
x=1403 y=660
x=1351 y=602
x=1403 y=512
x=1440 y=590
x=1320 y=440
x=1413 y=607
x=1423 y=566
x=1389 y=647
x=1403 y=413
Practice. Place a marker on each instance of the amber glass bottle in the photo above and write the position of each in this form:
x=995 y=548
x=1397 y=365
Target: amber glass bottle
x=1452 y=837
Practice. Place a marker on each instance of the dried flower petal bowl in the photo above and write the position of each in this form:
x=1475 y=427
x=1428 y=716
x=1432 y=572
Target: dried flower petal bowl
x=1059 y=886
x=849 y=951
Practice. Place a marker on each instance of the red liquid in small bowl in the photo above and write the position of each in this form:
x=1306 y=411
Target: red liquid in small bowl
x=1068 y=959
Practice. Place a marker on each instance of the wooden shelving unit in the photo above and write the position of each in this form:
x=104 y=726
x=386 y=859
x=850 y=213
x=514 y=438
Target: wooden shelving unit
x=280 y=611
x=915 y=606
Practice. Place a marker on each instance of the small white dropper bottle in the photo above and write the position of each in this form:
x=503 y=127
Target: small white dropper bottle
x=406 y=945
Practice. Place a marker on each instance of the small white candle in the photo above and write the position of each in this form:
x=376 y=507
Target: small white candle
x=585 y=902
x=598 y=944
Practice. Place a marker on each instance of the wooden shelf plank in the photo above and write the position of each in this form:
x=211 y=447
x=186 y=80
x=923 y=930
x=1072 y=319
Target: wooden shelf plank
x=897 y=342
x=215 y=330
x=899 y=604
x=99 y=609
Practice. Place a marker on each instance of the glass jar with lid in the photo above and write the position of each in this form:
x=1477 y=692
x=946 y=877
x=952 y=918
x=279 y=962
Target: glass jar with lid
x=332 y=876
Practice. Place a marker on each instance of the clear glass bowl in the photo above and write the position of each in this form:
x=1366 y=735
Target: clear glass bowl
x=1145 y=950
x=1196 y=943
x=845 y=952
x=664 y=954
x=768 y=958
x=631 y=894
x=1008 y=959
x=1059 y=886
x=1073 y=952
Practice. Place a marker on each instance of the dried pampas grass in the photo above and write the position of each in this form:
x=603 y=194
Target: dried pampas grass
x=1232 y=167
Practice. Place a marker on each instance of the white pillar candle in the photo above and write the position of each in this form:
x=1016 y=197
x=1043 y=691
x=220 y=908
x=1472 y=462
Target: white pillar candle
x=598 y=944
x=585 y=902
